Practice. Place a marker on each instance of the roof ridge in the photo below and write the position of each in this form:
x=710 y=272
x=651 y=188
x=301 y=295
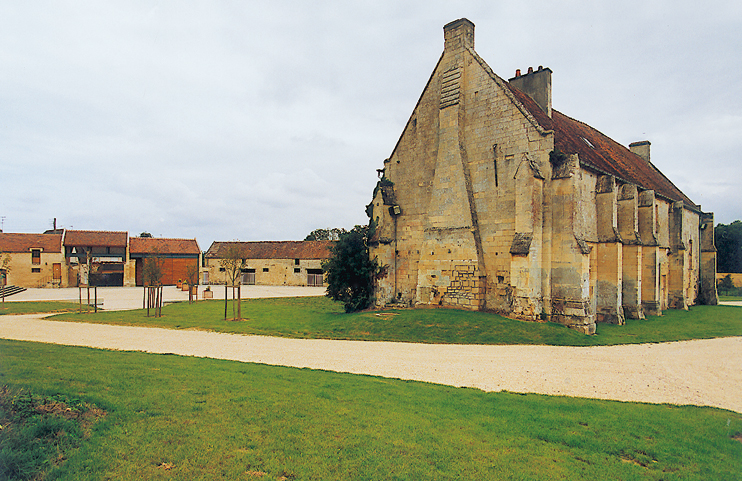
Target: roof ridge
x=103 y=231
x=508 y=89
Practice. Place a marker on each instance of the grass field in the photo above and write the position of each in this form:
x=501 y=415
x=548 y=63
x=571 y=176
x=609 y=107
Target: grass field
x=318 y=317
x=34 y=307
x=181 y=418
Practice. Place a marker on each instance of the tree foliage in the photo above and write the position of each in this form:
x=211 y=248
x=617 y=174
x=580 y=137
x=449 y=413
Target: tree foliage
x=351 y=274
x=152 y=274
x=4 y=270
x=233 y=263
x=728 y=241
x=325 y=234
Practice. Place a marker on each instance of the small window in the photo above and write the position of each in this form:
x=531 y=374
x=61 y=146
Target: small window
x=36 y=256
x=36 y=270
x=296 y=262
x=265 y=269
x=222 y=269
x=297 y=270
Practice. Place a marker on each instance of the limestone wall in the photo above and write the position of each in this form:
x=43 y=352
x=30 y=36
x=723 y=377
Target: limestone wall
x=467 y=177
x=267 y=272
x=24 y=272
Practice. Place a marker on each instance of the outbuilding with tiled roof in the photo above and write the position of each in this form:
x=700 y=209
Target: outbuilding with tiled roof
x=34 y=260
x=179 y=258
x=290 y=263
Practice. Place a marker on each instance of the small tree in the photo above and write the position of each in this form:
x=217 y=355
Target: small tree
x=4 y=269
x=192 y=276
x=233 y=263
x=152 y=280
x=351 y=274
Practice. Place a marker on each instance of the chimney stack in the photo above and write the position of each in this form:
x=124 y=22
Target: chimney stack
x=458 y=35
x=537 y=84
x=641 y=149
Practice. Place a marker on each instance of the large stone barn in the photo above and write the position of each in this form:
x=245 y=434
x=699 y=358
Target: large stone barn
x=493 y=200
x=269 y=263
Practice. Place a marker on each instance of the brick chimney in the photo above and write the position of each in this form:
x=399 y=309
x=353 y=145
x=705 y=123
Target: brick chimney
x=458 y=35
x=641 y=149
x=537 y=84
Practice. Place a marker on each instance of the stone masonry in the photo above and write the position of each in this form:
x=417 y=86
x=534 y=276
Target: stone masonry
x=493 y=200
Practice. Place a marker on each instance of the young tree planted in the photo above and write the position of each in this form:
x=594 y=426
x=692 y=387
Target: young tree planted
x=152 y=280
x=233 y=263
x=4 y=269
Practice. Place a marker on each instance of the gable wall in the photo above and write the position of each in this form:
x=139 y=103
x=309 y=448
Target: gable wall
x=459 y=215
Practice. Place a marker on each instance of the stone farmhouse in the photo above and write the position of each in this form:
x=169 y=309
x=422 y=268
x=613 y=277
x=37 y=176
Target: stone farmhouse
x=60 y=258
x=35 y=259
x=493 y=200
x=270 y=263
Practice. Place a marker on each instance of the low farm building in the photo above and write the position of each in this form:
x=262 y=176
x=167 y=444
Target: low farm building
x=71 y=258
x=269 y=263
x=35 y=260
x=178 y=258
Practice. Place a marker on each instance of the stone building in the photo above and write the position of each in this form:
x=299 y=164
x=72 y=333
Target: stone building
x=270 y=263
x=62 y=258
x=493 y=200
x=35 y=260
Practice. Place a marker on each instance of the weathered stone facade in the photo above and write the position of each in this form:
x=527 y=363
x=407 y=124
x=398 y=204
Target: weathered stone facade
x=492 y=200
x=270 y=263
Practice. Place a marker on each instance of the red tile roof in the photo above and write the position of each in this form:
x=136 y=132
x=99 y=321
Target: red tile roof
x=600 y=151
x=95 y=238
x=152 y=245
x=274 y=249
x=26 y=242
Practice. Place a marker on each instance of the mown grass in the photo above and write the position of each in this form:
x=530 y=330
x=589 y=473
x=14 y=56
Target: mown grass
x=37 y=432
x=730 y=298
x=35 y=307
x=318 y=317
x=183 y=418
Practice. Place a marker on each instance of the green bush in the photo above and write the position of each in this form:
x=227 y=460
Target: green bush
x=350 y=272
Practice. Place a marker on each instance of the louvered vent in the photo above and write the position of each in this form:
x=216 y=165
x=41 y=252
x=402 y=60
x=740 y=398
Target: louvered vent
x=450 y=88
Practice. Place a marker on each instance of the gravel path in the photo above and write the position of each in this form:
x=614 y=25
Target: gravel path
x=702 y=372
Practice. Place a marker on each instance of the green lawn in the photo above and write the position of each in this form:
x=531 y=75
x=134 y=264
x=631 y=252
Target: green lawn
x=318 y=317
x=730 y=298
x=34 y=307
x=183 y=418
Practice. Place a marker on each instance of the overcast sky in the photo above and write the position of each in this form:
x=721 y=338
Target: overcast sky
x=263 y=120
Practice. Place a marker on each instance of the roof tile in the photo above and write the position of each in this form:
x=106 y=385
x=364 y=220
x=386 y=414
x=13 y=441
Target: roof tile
x=95 y=238
x=152 y=245
x=274 y=249
x=10 y=242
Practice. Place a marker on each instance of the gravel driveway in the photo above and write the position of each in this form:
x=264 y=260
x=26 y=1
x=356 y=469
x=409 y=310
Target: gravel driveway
x=703 y=372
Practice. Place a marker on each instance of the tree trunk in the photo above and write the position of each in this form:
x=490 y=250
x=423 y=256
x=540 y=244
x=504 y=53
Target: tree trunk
x=239 y=301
